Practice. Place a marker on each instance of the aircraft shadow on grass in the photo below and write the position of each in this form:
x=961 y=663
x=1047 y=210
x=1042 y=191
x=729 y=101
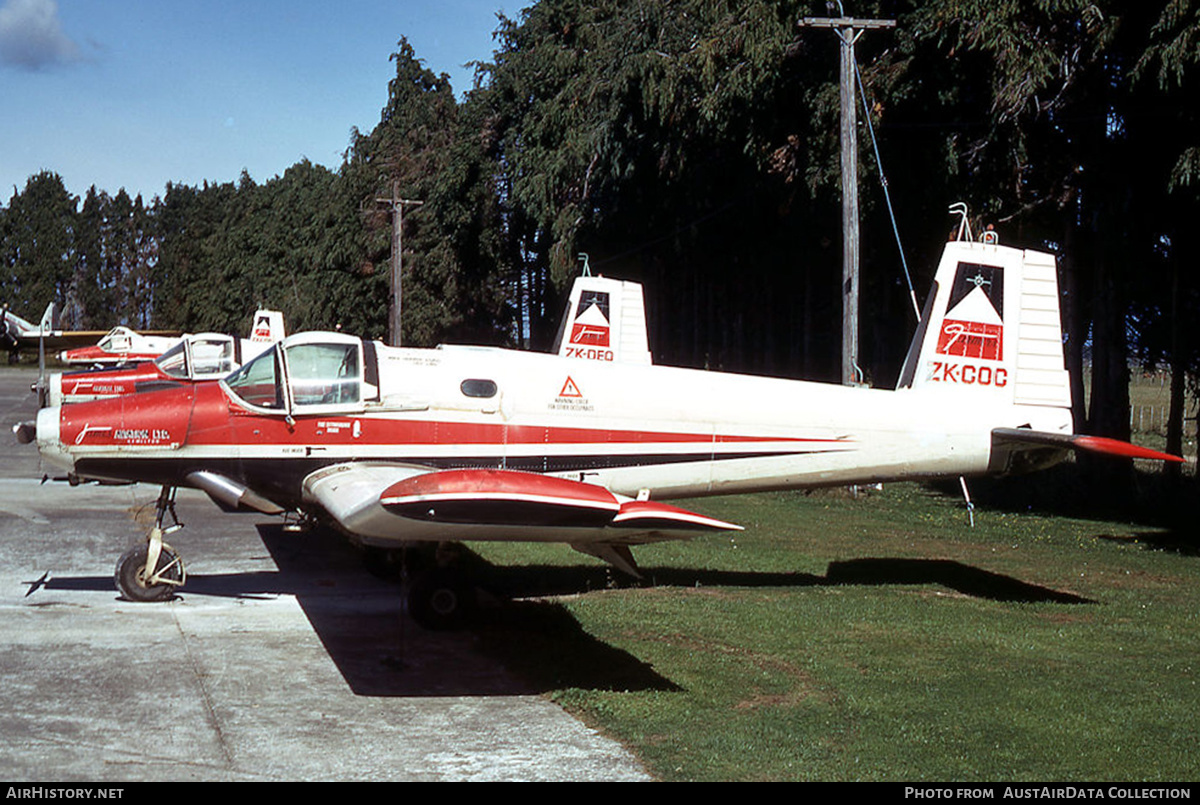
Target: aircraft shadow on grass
x=529 y=644
x=961 y=578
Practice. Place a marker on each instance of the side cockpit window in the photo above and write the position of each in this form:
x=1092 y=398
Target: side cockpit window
x=212 y=357
x=257 y=383
x=324 y=374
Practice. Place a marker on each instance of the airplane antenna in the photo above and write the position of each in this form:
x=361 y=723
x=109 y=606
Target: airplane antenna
x=587 y=270
x=964 y=225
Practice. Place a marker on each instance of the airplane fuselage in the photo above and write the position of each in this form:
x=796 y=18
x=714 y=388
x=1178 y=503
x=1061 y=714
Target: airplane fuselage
x=674 y=432
x=397 y=446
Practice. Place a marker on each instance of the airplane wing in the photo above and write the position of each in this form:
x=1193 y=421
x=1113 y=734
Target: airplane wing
x=1021 y=449
x=18 y=332
x=60 y=339
x=389 y=502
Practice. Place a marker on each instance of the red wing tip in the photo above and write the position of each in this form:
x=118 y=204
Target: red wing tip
x=1116 y=447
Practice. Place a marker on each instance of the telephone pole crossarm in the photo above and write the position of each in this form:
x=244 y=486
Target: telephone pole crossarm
x=845 y=22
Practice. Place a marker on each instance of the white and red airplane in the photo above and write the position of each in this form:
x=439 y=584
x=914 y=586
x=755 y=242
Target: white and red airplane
x=119 y=345
x=399 y=446
x=195 y=358
x=18 y=333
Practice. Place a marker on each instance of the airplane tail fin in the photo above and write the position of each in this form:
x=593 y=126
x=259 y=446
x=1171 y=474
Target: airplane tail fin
x=605 y=321
x=991 y=333
x=47 y=325
x=992 y=330
x=16 y=327
x=43 y=384
x=268 y=327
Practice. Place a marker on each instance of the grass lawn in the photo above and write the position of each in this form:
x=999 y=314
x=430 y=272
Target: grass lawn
x=878 y=638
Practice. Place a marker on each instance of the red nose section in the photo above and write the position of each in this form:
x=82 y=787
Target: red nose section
x=158 y=419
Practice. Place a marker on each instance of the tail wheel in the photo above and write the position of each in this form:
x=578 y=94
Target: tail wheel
x=136 y=584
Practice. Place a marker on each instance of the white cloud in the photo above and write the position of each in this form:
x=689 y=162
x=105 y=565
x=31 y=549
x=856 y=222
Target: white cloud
x=31 y=36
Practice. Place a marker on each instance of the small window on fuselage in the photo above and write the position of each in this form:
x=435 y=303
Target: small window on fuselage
x=478 y=388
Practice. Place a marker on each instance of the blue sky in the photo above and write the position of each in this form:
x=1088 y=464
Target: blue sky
x=136 y=93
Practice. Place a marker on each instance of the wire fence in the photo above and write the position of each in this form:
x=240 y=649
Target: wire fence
x=1150 y=403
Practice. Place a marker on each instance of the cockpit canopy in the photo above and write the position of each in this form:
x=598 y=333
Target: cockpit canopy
x=199 y=357
x=307 y=372
x=118 y=339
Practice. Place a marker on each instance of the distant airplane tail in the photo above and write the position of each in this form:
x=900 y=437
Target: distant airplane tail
x=16 y=327
x=605 y=322
x=47 y=325
x=268 y=327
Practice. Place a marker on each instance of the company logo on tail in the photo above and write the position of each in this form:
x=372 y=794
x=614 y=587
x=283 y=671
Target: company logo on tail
x=592 y=327
x=974 y=323
x=604 y=322
x=992 y=328
x=268 y=327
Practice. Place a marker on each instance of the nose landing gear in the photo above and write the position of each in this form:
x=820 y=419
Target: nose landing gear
x=153 y=571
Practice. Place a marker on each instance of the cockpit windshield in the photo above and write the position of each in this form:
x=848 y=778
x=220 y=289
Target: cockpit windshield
x=199 y=357
x=174 y=361
x=257 y=383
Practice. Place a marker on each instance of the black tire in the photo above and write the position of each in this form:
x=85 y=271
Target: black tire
x=442 y=600
x=130 y=575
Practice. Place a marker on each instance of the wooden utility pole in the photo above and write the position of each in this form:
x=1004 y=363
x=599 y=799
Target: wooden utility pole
x=849 y=29
x=397 y=261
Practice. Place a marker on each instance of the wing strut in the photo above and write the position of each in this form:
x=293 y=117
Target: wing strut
x=619 y=556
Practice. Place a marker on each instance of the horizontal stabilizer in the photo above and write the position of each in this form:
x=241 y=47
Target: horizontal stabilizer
x=1018 y=438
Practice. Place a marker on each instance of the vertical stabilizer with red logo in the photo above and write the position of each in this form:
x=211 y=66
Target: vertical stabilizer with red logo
x=267 y=327
x=605 y=322
x=992 y=328
x=991 y=338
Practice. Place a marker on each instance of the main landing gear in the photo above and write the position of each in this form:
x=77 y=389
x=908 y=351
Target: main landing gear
x=437 y=594
x=152 y=572
x=442 y=598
